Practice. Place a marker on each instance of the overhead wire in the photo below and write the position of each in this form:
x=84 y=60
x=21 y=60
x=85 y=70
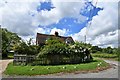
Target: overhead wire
x=87 y=24
x=90 y=16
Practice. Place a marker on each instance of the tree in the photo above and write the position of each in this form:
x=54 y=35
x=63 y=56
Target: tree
x=8 y=41
x=26 y=48
x=84 y=45
x=95 y=49
x=109 y=50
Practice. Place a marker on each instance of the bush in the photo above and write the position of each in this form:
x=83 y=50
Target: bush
x=4 y=55
x=57 y=52
x=57 y=48
x=24 y=48
x=82 y=52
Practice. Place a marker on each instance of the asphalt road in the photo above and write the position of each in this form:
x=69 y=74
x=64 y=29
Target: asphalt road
x=109 y=73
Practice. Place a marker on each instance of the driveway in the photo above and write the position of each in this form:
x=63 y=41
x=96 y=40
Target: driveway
x=3 y=65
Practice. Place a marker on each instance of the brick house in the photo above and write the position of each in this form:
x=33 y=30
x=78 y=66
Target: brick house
x=41 y=38
x=20 y=59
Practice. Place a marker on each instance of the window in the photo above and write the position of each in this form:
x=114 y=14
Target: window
x=68 y=41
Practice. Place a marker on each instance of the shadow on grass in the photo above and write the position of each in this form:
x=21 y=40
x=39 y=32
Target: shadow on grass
x=66 y=63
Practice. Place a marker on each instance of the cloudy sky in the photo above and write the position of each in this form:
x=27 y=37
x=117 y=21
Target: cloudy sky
x=95 y=19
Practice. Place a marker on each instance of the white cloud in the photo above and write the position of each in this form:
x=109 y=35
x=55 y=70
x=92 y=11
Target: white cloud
x=15 y=15
x=62 y=32
x=40 y=30
x=80 y=36
x=36 y=30
x=103 y=31
x=16 y=19
x=111 y=39
x=45 y=18
x=104 y=28
x=61 y=10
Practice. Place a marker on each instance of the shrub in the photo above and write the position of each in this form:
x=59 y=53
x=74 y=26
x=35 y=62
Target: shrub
x=23 y=48
x=81 y=52
x=57 y=52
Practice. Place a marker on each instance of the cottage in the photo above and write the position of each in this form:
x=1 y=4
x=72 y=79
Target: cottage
x=20 y=59
x=41 y=38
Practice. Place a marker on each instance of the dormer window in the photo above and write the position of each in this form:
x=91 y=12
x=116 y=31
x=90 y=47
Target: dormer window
x=67 y=41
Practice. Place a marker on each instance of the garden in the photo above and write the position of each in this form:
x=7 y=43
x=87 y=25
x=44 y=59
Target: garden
x=54 y=57
x=94 y=66
x=54 y=52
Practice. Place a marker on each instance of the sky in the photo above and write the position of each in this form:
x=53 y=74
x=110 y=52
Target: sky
x=95 y=19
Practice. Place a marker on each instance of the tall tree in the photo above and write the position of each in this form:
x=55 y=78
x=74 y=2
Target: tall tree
x=8 y=40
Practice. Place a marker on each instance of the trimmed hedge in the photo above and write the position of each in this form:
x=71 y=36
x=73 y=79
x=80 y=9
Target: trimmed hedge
x=61 y=53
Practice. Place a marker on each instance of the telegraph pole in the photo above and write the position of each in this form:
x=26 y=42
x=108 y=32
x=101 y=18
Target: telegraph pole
x=85 y=38
x=89 y=23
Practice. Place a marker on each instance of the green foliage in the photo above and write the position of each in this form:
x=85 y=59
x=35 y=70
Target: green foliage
x=53 y=46
x=118 y=53
x=95 y=49
x=52 y=41
x=104 y=55
x=108 y=50
x=83 y=45
x=82 y=51
x=26 y=48
x=54 y=49
x=111 y=53
x=60 y=52
x=8 y=41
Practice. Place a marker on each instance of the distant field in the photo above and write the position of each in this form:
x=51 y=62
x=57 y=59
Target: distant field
x=106 y=55
x=42 y=70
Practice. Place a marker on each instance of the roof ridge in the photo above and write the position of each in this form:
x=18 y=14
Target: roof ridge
x=44 y=34
x=53 y=35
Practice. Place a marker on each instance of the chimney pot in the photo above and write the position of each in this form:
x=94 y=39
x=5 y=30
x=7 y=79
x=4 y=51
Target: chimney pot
x=56 y=33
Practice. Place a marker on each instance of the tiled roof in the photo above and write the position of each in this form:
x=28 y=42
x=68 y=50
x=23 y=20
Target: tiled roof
x=41 y=38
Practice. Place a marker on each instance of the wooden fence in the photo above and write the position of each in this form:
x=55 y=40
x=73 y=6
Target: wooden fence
x=21 y=59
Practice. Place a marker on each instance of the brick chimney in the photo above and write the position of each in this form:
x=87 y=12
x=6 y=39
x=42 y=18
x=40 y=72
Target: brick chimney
x=56 y=33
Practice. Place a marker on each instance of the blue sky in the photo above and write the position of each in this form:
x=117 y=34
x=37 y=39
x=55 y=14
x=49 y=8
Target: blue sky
x=28 y=17
x=69 y=22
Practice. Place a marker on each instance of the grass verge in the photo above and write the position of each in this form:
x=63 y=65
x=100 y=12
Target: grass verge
x=43 y=70
x=106 y=56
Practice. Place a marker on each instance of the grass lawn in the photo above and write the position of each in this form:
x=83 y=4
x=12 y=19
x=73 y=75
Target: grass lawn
x=106 y=56
x=10 y=55
x=42 y=70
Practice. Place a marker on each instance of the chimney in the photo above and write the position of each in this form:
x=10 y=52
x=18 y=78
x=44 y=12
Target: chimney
x=56 y=33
